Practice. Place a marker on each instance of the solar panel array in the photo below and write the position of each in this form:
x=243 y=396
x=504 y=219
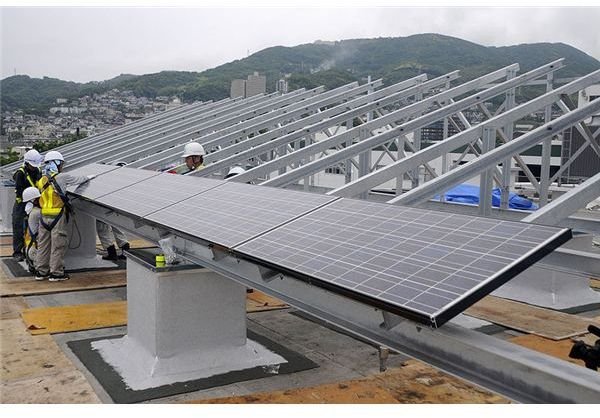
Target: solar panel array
x=417 y=263
x=425 y=265
x=234 y=212
x=112 y=181
x=156 y=193
x=95 y=169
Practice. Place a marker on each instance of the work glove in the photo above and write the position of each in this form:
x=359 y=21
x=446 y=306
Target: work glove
x=91 y=176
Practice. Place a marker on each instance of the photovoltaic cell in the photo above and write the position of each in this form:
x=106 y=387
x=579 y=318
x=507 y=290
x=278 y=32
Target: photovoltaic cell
x=425 y=265
x=112 y=181
x=96 y=169
x=232 y=213
x=156 y=193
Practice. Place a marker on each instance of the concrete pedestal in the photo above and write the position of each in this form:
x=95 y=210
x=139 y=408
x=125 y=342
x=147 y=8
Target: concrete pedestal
x=183 y=324
x=7 y=200
x=550 y=288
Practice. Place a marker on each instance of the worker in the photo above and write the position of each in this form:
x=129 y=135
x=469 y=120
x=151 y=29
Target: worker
x=55 y=208
x=26 y=176
x=234 y=171
x=106 y=233
x=31 y=196
x=193 y=155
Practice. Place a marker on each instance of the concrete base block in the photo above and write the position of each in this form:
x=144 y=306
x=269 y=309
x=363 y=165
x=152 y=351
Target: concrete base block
x=142 y=370
x=549 y=289
x=7 y=201
x=81 y=263
x=184 y=323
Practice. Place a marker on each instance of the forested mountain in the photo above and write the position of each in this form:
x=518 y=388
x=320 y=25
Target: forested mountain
x=331 y=64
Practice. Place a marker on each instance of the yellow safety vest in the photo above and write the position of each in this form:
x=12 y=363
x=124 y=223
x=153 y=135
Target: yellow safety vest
x=22 y=169
x=50 y=201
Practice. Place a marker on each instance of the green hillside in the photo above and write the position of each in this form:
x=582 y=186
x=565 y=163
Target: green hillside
x=310 y=65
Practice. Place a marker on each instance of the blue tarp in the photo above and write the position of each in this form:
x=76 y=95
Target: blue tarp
x=468 y=193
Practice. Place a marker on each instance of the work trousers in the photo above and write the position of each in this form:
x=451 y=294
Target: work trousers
x=106 y=232
x=32 y=255
x=18 y=219
x=52 y=246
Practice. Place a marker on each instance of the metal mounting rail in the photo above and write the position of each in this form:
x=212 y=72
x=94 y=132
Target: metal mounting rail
x=513 y=371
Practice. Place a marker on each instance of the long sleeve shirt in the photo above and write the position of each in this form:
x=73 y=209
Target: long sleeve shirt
x=65 y=179
x=21 y=182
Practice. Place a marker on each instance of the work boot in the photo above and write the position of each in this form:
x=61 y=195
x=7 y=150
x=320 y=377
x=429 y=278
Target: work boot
x=58 y=277
x=112 y=254
x=125 y=247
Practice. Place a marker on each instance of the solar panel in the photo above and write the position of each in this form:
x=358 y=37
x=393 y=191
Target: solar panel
x=428 y=266
x=96 y=169
x=233 y=212
x=157 y=192
x=112 y=181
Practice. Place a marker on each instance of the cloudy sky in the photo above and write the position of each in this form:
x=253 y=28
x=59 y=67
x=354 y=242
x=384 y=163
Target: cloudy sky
x=101 y=42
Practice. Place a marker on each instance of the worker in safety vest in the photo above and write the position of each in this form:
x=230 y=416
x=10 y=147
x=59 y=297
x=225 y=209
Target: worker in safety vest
x=193 y=155
x=31 y=196
x=55 y=208
x=26 y=176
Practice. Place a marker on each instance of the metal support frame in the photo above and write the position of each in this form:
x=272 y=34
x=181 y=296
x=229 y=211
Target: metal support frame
x=182 y=132
x=568 y=203
x=164 y=125
x=546 y=150
x=485 y=183
x=411 y=126
x=387 y=119
x=323 y=110
x=96 y=150
x=482 y=163
x=507 y=163
x=342 y=113
x=277 y=120
x=516 y=372
x=461 y=139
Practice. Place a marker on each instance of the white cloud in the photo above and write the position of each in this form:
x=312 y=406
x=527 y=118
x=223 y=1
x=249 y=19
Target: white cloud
x=83 y=44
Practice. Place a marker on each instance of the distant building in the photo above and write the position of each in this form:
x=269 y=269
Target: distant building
x=282 y=86
x=255 y=84
x=238 y=88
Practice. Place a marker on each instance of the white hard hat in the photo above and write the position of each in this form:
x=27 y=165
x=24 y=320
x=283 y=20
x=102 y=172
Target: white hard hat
x=193 y=148
x=30 y=193
x=235 y=171
x=52 y=156
x=32 y=157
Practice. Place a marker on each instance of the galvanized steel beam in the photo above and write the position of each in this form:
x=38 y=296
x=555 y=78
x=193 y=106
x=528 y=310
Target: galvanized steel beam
x=461 y=139
x=518 y=373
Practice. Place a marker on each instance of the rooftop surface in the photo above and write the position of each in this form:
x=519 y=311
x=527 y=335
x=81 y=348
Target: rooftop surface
x=348 y=367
